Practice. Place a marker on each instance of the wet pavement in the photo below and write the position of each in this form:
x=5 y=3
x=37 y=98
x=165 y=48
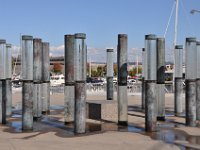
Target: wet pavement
x=168 y=131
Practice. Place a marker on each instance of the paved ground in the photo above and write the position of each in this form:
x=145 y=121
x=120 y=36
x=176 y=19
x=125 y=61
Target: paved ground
x=52 y=134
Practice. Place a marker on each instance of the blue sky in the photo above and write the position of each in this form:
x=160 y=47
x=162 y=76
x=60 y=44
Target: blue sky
x=101 y=20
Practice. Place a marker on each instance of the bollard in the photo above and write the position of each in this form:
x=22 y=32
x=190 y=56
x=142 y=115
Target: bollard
x=178 y=80
x=191 y=74
x=150 y=83
x=109 y=71
x=198 y=82
x=161 y=79
x=80 y=82
x=122 y=96
x=45 y=78
x=143 y=78
x=8 y=74
x=37 y=78
x=27 y=84
x=69 y=78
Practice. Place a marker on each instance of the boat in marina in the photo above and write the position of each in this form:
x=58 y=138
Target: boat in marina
x=57 y=80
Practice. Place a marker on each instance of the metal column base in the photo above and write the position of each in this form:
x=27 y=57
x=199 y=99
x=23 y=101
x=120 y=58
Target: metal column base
x=198 y=98
x=109 y=88
x=69 y=104
x=45 y=97
x=150 y=107
x=8 y=97
x=190 y=103
x=161 y=102
x=122 y=105
x=37 y=102
x=80 y=107
x=27 y=105
x=178 y=108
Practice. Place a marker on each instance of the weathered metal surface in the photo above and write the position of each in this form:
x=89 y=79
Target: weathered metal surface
x=45 y=62
x=160 y=101
x=2 y=59
x=37 y=60
x=37 y=102
x=198 y=98
x=178 y=61
x=160 y=78
x=8 y=62
x=160 y=60
x=110 y=90
x=151 y=57
x=191 y=58
x=8 y=97
x=3 y=102
x=190 y=103
x=143 y=77
x=109 y=74
x=122 y=59
x=122 y=105
x=80 y=57
x=122 y=79
x=27 y=57
x=178 y=104
x=27 y=106
x=1 y=99
x=80 y=107
x=150 y=107
x=143 y=93
x=45 y=98
x=69 y=103
x=69 y=58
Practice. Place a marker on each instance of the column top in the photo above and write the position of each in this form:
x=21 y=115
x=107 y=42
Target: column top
x=161 y=39
x=198 y=42
x=150 y=37
x=27 y=37
x=110 y=50
x=37 y=39
x=80 y=35
x=191 y=39
x=122 y=35
x=8 y=45
x=2 y=41
x=178 y=46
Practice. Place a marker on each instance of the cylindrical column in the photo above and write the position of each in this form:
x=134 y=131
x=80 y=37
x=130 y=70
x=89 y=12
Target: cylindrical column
x=69 y=78
x=45 y=78
x=109 y=71
x=80 y=106
x=27 y=78
x=3 y=66
x=143 y=78
x=37 y=77
x=198 y=81
x=3 y=81
x=191 y=74
x=80 y=77
x=8 y=64
x=122 y=79
x=178 y=80
x=80 y=57
x=161 y=78
x=150 y=83
x=27 y=105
